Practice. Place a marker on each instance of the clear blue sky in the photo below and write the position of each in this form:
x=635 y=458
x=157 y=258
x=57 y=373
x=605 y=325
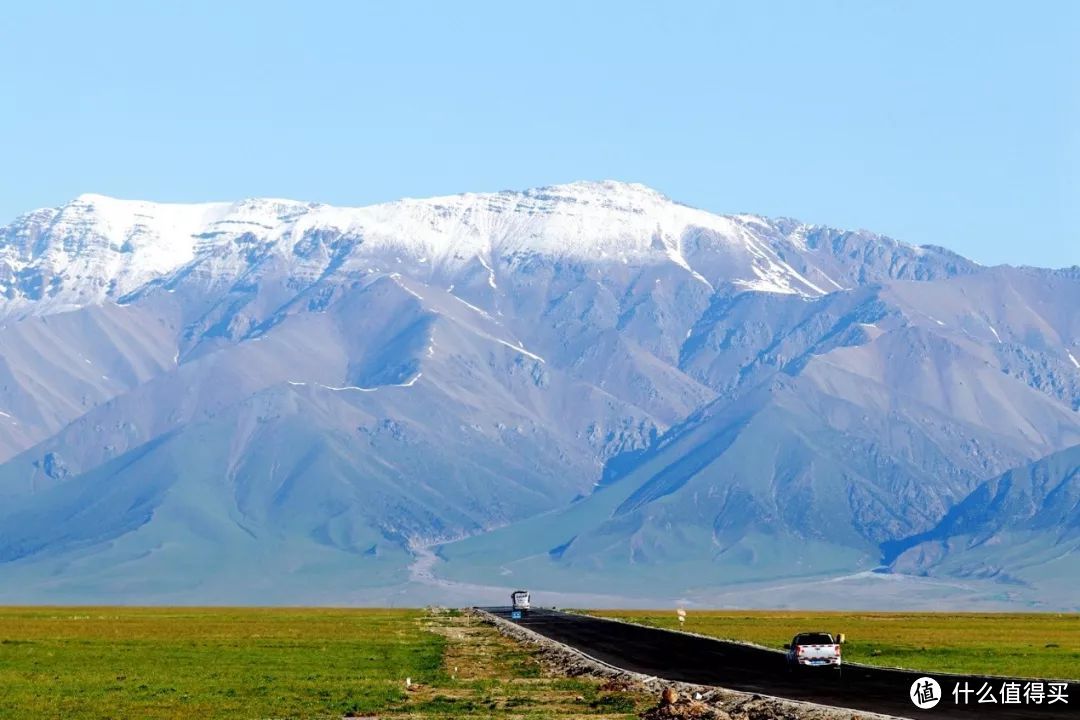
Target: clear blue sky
x=954 y=123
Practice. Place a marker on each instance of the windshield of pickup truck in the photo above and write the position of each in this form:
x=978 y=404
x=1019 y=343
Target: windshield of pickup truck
x=814 y=639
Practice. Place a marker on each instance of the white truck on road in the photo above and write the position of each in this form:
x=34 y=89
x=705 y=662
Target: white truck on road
x=519 y=600
x=814 y=650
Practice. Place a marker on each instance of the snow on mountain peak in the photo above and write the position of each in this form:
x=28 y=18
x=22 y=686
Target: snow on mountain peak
x=97 y=247
x=577 y=220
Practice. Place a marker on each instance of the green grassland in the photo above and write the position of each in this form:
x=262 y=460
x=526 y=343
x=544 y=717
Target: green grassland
x=81 y=663
x=1023 y=645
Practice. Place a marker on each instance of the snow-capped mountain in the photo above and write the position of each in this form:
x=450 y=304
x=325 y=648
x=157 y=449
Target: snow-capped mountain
x=300 y=396
x=98 y=248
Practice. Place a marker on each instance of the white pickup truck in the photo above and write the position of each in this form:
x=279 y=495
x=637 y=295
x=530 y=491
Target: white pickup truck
x=814 y=650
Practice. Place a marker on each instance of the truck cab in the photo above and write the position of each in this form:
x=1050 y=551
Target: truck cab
x=814 y=650
x=519 y=600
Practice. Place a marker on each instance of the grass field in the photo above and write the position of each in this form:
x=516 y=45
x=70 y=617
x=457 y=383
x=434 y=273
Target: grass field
x=82 y=663
x=1025 y=645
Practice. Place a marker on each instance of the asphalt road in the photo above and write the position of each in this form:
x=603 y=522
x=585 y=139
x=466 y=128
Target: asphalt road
x=686 y=658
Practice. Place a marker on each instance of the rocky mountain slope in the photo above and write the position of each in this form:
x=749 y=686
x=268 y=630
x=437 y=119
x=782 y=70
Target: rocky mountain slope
x=586 y=385
x=1020 y=528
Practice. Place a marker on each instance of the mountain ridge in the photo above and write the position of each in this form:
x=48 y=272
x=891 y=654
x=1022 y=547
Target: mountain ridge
x=322 y=390
x=121 y=245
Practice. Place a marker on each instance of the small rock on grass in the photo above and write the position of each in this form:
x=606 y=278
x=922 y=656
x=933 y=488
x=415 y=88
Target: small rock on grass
x=684 y=709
